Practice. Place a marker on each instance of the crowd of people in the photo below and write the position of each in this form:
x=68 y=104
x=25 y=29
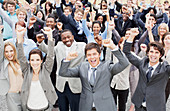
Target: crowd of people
x=82 y=55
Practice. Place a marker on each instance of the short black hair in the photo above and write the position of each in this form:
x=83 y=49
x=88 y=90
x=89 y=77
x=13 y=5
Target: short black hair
x=65 y=30
x=153 y=15
x=51 y=16
x=151 y=8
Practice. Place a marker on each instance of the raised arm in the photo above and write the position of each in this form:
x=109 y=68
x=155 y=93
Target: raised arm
x=50 y=55
x=21 y=56
x=85 y=28
x=6 y=17
x=69 y=72
x=127 y=48
x=114 y=31
x=1 y=45
x=63 y=18
x=123 y=61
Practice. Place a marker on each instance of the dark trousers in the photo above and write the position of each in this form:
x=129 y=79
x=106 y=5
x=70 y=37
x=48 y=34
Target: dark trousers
x=122 y=98
x=67 y=98
x=167 y=90
x=140 y=109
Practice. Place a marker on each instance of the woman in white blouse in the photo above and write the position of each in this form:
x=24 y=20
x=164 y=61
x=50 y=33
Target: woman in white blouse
x=37 y=92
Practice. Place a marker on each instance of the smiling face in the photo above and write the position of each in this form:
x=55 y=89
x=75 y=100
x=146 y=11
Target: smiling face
x=35 y=61
x=39 y=15
x=167 y=41
x=154 y=55
x=162 y=30
x=67 y=38
x=47 y=7
x=100 y=19
x=21 y=16
x=104 y=5
x=93 y=57
x=10 y=8
x=9 y=53
x=96 y=28
x=78 y=16
x=50 y=22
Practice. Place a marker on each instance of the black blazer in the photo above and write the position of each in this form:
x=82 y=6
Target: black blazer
x=70 y=23
x=128 y=24
x=154 y=90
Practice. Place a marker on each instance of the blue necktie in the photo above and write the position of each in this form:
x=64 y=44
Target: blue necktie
x=92 y=77
x=148 y=75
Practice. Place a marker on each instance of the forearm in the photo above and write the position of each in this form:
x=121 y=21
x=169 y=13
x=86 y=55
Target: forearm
x=43 y=47
x=65 y=71
x=6 y=17
x=132 y=59
x=50 y=56
x=122 y=64
x=1 y=48
x=151 y=39
x=116 y=35
x=21 y=57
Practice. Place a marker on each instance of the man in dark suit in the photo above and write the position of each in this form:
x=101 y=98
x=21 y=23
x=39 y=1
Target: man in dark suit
x=123 y=22
x=154 y=75
x=50 y=22
x=74 y=24
x=95 y=76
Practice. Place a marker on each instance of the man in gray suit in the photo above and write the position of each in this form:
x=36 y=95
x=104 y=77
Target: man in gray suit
x=153 y=76
x=95 y=76
x=68 y=89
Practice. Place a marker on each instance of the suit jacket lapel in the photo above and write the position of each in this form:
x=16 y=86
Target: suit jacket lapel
x=145 y=68
x=155 y=72
x=73 y=47
x=98 y=72
x=6 y=62
x=86 y=68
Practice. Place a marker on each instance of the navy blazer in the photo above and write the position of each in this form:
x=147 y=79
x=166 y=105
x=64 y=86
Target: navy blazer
x=70 y=23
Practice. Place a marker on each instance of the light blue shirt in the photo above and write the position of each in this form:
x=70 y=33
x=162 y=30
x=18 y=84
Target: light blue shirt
x=90 y=35
x=8 y=33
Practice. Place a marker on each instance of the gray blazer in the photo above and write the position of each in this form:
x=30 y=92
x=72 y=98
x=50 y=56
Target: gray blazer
x=4 y=79
x=60 y=52
x=100 y=94
x=44 y=75
x=154 y=90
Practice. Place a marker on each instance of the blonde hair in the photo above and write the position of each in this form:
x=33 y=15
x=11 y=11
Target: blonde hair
x=15 y=61
x=21 y=10
x=164 y=25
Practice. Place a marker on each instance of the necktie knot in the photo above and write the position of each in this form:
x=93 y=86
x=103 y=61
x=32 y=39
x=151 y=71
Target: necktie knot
x=150 y=68
x=148 y=75
x=93 y=69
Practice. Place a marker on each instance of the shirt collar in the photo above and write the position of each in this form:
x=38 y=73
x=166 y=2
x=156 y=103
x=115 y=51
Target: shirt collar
x=10 y=14
x=154 y=66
